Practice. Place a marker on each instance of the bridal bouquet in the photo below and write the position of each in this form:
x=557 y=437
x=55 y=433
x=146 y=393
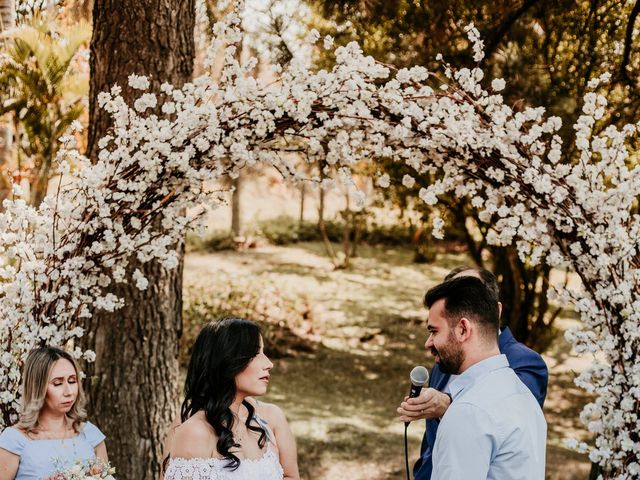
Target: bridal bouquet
x=95 y=469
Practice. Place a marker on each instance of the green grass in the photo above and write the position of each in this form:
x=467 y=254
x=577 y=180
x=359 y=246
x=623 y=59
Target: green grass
x=369 y=331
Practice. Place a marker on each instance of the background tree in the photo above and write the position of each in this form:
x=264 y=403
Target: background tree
x=133 y=384
x=549 y=51
x=79 y=9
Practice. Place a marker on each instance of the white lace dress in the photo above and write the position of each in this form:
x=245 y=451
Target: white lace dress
x=266 y=467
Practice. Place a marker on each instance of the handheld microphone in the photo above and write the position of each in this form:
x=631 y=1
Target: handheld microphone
x=419 y=377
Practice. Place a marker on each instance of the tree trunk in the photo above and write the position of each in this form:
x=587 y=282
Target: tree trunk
x=303 y=194
x=321 y=227
x=7 y=22
x=146 y=37
x=236 y=207
x=133 y=384
x=7 y=14
x=321 y=208
x=323 y=232
x=474 y=248
x=357 y=233
x=346 y=231
x=6 y=141
x=40 y=183
x=80 y=9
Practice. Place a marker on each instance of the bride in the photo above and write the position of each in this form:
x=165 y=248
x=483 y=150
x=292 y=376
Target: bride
x=225 y=434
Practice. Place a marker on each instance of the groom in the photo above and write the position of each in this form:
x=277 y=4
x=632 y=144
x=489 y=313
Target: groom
x=432 y=404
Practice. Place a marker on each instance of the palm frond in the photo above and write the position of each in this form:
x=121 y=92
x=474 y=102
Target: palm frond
x=21 y=50
x=41 y=85
x=51 y=48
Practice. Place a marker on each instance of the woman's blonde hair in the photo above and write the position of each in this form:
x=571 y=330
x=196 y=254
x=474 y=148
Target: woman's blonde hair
x=35 y=379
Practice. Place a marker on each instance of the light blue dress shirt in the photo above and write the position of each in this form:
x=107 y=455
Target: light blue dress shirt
x=494 y=428
x=40 y=459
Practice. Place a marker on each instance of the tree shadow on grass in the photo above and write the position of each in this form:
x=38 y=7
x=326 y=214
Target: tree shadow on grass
x=350 y=452
x=565 y=464
x=564 y=403
x=341 y=398
x=342 y=407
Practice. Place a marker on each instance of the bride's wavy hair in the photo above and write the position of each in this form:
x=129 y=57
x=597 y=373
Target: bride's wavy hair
x=222 y=350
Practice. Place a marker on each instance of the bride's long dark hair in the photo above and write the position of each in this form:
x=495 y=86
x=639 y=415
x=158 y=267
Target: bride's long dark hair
x=222 y=350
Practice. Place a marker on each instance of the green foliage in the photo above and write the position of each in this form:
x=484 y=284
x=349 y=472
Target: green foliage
x=285 y=230
x=546 y=51
x=286 y=319
x=214 y=241
x=44 y=90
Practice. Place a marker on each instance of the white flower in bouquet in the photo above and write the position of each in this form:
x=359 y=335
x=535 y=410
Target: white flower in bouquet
x=95 y=469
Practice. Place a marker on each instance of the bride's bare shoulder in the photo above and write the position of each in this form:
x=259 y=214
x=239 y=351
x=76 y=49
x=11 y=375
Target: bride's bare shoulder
x=194 y=438
x=270 y=412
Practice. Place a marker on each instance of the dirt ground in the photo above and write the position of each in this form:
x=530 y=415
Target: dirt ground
x=369 y=331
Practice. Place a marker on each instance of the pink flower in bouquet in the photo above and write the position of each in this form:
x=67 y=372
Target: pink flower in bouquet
x=57 y=476
x=96 y=469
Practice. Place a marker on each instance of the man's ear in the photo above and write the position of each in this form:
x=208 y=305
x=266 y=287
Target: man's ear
x=499 y=311
x=463 y=330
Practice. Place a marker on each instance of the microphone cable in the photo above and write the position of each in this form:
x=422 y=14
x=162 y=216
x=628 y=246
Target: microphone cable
x=406 y=450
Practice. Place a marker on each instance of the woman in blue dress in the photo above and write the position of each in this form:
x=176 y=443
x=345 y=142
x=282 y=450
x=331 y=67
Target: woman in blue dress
x=52 y=433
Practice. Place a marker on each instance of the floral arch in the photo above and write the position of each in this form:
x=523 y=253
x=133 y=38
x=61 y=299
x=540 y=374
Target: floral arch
x=57 y=260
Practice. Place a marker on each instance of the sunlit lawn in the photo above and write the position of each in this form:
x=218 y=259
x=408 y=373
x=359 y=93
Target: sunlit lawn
x=369 y=328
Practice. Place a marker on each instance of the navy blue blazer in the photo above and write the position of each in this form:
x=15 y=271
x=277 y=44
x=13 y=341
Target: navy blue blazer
x=528 y=365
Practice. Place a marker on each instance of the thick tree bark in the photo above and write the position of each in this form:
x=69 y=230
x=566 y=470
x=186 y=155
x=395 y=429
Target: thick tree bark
x=133 y=384
x=150 y=37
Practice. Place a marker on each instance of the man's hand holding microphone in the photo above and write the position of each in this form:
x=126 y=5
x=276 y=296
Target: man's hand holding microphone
x=430 y=403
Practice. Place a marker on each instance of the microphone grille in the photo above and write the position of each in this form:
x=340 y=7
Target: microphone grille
x=419 y=376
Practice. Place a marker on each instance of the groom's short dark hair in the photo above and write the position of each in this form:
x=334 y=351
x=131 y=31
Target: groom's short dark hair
x=488 y=278
x=467 y=297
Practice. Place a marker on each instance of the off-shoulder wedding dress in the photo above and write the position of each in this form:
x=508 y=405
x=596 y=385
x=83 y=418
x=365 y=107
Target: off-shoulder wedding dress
x=266 y=467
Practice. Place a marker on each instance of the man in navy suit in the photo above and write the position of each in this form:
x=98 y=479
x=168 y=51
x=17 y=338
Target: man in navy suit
x=433 y=402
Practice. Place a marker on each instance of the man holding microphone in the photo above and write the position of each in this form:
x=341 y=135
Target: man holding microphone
x=435 y=401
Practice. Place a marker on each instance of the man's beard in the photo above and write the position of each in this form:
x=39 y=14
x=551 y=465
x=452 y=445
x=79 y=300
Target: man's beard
x=451 y=356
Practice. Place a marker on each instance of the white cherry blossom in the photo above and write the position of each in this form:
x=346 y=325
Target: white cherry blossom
x=153 y=175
